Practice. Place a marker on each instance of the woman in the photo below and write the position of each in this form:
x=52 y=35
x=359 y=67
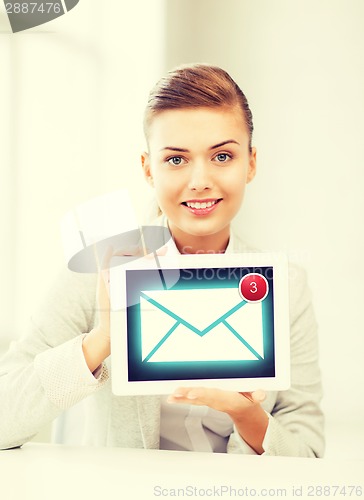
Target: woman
x=200 y=158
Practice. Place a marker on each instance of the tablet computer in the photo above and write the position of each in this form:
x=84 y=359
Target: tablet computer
x=214 y=320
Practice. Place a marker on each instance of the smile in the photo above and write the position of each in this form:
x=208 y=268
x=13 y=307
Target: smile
x=199 y=204
x=201 y=207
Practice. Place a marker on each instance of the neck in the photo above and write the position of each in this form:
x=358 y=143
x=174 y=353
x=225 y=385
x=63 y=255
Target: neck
x=192 y=244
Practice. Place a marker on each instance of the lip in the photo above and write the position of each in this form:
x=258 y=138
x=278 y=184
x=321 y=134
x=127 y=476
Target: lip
x=202 y=211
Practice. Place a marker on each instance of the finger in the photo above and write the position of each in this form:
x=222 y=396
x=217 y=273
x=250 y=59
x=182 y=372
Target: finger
x=130 y=251
x=259 y=396
x=230 y=402
x=247 y=395
x=160 y=252
x=103 y=284
x=105 y=263
x=182 y=395
x=215 y=398
x=255 y=396
x=139 y=250
x=103 y=292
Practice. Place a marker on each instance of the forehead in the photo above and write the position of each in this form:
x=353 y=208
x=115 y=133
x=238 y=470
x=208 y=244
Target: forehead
x=197 y=126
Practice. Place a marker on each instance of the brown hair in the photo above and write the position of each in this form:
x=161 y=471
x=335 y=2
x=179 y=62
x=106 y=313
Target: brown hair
x=197 y=85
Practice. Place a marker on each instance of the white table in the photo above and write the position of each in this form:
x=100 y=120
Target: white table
x=55 y=472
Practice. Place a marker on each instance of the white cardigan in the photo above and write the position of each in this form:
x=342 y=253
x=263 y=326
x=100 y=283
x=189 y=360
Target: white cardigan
x=45 y=372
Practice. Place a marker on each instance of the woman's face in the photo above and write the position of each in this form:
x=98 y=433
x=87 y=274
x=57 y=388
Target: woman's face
x=199 y=164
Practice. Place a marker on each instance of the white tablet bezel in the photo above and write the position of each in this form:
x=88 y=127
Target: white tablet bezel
x=118 y=323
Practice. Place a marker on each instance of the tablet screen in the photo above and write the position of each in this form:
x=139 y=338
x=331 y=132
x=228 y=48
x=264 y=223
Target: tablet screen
x=191 y=324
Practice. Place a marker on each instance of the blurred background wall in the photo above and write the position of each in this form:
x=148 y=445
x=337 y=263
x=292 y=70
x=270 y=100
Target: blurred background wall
x=300 y=64
x=72 y=94
x=72 y=97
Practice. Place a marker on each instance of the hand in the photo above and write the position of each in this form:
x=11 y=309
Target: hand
x=244 y=408
x=103 y=286
x=96 y=344
x=231 y=402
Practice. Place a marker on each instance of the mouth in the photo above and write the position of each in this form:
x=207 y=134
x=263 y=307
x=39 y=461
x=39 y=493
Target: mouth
x=202 y=207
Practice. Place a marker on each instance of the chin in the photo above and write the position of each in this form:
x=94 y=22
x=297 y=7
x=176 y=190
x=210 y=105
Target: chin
x=208 y=231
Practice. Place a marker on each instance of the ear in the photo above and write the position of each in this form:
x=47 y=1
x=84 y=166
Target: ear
x=146 y=168
x=252 y=165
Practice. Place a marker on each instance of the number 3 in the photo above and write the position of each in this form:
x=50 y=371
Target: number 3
x=254 y=285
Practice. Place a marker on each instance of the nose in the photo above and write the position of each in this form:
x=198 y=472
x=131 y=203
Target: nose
x=200 y=176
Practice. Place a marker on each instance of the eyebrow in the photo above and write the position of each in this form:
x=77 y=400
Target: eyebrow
x=182 y=150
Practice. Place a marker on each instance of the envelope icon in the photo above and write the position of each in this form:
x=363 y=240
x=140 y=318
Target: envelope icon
x=200 y=325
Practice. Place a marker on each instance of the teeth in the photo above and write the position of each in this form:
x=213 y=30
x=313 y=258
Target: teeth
x=198 y=205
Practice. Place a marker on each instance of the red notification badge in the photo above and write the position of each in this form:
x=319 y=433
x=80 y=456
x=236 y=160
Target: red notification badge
x=253 y=287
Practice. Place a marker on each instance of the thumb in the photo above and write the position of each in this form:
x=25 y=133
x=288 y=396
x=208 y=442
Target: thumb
x=259 y=396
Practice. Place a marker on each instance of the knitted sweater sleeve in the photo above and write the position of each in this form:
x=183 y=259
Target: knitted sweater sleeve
x=296 y=422
x=44 y=372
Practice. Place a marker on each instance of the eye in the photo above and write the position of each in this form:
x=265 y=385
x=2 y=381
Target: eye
x=222 y=157
x=175 y=160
